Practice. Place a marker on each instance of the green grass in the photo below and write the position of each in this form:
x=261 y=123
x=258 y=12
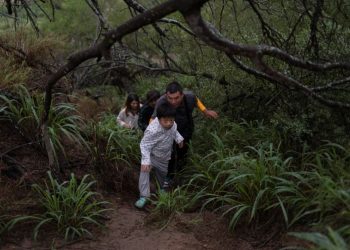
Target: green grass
x=71 y=207
x=12 y=73
x=113 y=144
x=242 y=186
x=26 y=111
x=238 y=172
x=330 y=241
x=166 y=204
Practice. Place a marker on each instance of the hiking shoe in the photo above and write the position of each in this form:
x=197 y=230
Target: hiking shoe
x=140 y=203
x=166 y=185
x=168 y=182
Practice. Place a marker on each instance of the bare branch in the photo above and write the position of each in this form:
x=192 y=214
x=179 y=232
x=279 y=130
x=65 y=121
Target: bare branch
x=256 y=54
x=139 y=8
x=9 y=7
x=102 y=48
x=178 y=24
x=267 y=30
x=93 y=4
x=43 y=11
x=211 y=36
x=331 y=85
x=30 y=15
x=103 y=25
x=291 y=34
x=313 y=27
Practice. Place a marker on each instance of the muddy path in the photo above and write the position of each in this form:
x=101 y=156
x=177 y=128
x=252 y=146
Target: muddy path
x=126 y=227
x=129 y=228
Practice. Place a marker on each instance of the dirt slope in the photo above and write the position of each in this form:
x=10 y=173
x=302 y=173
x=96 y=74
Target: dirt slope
x=128 y=229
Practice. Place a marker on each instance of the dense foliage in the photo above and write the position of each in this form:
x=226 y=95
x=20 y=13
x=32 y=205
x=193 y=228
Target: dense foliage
x=273 y=153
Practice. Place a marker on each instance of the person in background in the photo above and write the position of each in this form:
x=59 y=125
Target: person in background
x=129 y=115
x=147 y=109
x=184 y=103
x=156 y=146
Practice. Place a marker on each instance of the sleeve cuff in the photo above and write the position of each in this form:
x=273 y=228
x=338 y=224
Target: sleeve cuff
x=146 y=162
x=200 y=105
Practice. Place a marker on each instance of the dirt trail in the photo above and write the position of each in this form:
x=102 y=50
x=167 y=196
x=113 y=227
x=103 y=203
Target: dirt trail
x=128 y=229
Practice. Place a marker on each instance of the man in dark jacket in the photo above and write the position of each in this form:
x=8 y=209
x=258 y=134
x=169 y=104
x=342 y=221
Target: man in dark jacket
x=184 y=102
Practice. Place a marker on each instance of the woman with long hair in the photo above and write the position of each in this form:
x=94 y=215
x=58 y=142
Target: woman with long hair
x=129 y=115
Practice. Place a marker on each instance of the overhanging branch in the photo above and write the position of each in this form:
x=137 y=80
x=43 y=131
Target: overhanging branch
x=211 y=36
x=256 y=54
x=103 y=49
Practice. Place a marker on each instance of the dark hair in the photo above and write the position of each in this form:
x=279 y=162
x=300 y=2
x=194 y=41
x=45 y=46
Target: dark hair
x=152 y=95
x=166 y=110
x=174 y=87
x=129 y=100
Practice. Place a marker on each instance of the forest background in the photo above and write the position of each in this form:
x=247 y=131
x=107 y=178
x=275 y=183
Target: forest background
x=278 y=73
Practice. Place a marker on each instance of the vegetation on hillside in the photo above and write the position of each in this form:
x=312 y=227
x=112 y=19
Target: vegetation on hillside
x=275 y=156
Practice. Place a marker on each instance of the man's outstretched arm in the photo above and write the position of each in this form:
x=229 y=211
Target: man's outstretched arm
x=207 y=112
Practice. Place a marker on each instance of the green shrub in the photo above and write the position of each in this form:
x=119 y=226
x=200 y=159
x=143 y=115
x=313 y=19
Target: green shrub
x=12 y=73
x=242 y=185
x=26 y=111
x=71 y=207
x=112 y=143
x=330 y=181
x=247 y=182
x=330 y=241
x=167 y=204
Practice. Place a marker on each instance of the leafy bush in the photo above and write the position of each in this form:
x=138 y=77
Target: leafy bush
x=248 y=183
x=24 y=57
x=113 y=143
x=28 y=48
x=176 y=201
x=330 y=192
x=242 y=185
x=115 y=150
x=26 y=111
x=224 y=133
x=330 y=241
x=12 y=73
x=71 y=207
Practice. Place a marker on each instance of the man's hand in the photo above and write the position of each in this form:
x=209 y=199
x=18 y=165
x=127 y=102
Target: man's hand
x=181 y=144
x=210 y=114
x=145 y=168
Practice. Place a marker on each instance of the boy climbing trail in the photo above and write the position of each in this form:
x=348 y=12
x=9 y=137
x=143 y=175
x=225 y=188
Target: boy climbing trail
x=156 y=147
x=184 y=103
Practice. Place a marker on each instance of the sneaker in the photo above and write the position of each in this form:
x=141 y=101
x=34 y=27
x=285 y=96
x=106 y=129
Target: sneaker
x=166 y=184
x=140 y=203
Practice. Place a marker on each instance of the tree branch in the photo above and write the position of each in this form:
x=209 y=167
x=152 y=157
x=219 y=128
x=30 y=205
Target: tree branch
x=256 y=54
x=332 y=85
x=267 y=30
x=139 y=8
x=103 y=49
x=211 y=36
x=313 y=27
